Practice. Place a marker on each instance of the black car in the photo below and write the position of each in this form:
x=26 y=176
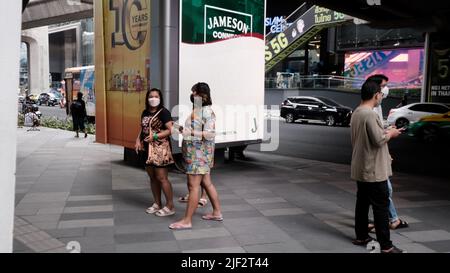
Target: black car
x=315 y=108
x=47 y=99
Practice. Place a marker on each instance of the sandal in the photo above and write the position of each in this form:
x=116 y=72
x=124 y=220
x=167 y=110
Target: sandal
x=202 y=202
x=165 y=212
x=212 y=217
x=175 y=226
x=184 y=199
x=363 y=242
x=403 y=224
x=153 y=209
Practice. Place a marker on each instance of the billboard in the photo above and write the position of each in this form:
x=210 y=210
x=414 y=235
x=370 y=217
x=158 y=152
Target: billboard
x=222 y=44
x=123 y=64
x=404 y=67
x=439 y=81
x=87 y=88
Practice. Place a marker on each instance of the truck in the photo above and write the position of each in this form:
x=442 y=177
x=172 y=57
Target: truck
x=172 y=45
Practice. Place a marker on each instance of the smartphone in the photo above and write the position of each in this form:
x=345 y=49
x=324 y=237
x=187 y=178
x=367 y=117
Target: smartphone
x=404 y=128
x=178 y=127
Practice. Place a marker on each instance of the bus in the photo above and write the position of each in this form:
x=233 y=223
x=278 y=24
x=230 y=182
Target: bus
x=81 y=79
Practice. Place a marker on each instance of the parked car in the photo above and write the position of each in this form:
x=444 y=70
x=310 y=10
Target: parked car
x=315 y=108
x=431 y=128
x=404 y=116
x=47 y=99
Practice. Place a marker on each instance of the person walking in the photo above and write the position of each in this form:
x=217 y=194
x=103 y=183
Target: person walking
x=153 y=140
x=78 y=110
x=371 y=167
x=198 y=152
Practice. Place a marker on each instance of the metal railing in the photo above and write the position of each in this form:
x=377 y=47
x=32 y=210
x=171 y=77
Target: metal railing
x=322 y=82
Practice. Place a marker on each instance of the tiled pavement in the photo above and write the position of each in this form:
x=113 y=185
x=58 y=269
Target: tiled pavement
x=73 y=190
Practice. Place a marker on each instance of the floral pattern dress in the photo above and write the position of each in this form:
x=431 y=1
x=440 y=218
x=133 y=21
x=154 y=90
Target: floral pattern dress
x=198 y=153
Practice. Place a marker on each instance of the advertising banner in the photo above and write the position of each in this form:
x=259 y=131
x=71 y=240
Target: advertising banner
x=222 y=44
x=404 y=67
x=126 y=42
x=439 y=90
x=87 y=88
x=311 y=22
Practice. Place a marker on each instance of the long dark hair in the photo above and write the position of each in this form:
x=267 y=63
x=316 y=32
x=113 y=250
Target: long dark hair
x=202 y=89
x=147 y=104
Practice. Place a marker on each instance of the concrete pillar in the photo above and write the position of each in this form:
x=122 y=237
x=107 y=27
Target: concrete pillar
x=10 y=22
x=37 y=40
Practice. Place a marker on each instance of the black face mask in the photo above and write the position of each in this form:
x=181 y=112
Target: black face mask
x=193 y=97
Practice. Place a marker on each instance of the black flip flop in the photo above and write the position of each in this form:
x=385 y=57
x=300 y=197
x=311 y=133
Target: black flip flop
x=403 y=224
x=363 y=242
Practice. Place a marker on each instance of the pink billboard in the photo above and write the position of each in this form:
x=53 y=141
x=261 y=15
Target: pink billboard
x=404 y=67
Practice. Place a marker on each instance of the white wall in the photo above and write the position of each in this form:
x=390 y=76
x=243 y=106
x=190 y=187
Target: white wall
x=10 y=25
x=37 y=39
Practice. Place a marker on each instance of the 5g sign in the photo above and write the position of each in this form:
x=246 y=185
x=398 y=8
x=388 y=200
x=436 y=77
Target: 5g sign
x=131 y=22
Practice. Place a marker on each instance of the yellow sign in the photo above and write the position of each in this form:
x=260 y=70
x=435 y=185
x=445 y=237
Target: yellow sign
x=122 y=68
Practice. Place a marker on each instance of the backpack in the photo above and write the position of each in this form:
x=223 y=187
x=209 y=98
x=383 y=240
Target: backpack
x=77 y=107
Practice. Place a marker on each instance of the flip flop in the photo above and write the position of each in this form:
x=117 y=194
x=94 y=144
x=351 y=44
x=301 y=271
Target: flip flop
x=211 y=217
x=165 y=212
x=202 y=202
x=184 y=199
x=180 y=227
x=153 y=209
x=363 y=242
x=403 y=224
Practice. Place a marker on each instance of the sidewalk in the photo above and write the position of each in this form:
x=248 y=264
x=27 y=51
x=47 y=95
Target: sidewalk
x=74 y=190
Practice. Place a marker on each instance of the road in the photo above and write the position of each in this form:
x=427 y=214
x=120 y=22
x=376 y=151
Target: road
x=332 y=144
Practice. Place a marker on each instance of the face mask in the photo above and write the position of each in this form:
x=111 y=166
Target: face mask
x=154 y=102
x=194 y=98
x=385 y=91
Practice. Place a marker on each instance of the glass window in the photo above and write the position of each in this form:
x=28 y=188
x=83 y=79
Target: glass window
x=435 y=108
x=418 y=108
x=329 y=102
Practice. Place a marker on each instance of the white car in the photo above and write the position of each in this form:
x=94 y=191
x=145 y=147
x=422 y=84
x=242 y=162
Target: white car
x=403 y=116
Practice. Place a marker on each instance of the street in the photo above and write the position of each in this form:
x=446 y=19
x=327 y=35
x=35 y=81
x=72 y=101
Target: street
x=332 y=144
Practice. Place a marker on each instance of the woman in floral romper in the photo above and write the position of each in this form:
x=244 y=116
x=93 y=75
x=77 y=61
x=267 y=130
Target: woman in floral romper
x=198 y=152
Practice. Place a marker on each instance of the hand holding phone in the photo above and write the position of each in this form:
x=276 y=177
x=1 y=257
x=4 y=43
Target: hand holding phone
x=178 y=127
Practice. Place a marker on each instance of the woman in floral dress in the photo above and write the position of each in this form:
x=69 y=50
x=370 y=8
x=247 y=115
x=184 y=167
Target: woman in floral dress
x=198 y=152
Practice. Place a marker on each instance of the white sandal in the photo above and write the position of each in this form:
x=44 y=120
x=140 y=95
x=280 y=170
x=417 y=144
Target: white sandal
x=165 y=212
x=153 y=209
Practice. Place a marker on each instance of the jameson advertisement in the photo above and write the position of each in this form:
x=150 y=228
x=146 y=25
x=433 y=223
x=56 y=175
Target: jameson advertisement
x=222 y=44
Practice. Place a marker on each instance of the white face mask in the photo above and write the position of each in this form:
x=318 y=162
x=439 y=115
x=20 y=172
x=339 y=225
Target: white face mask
x=154 y=102
x=385 y=91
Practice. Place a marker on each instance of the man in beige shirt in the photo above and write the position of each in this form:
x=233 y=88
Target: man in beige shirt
x=371 y=168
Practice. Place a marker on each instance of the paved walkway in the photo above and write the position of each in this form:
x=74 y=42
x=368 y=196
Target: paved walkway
x=76 y=192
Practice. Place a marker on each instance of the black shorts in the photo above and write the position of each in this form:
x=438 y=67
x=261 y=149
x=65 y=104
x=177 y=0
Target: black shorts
x=78 y=124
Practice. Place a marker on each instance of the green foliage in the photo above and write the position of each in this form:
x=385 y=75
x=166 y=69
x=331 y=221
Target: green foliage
x=55 y=123
x=20 y=120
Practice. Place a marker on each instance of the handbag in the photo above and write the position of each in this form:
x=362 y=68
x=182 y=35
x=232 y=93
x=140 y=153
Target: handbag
x=159 y=151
